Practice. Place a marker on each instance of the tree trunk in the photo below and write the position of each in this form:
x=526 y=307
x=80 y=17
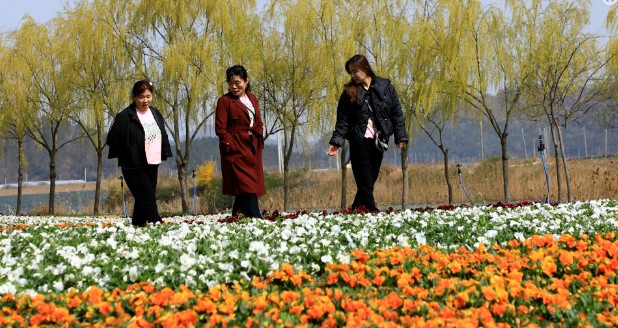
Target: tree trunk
x=97 y=189
x=286 y=185
x=505 y=167
x=286 y=182
x=98 y=147
x=181 y=161
x=404 y=176
x=52 y=184
x=286 y=165
x=449 y=185
x=182 y=180
x=555 y=142
x=564 y=163
x=20 y=173
x=344 y=174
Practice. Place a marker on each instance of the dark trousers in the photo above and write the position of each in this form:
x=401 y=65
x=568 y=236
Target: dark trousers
x=142 y=183
x=366 y=160
x=246 y=204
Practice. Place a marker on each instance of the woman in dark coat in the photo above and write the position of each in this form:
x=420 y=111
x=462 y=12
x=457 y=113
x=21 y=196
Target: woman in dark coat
x=139 y=140
x=239 y=126
x=368 y=113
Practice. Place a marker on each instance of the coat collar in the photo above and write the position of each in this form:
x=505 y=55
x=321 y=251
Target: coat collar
x=377 y=88
x=248 y=93
x=132 y=113
x=379 y=85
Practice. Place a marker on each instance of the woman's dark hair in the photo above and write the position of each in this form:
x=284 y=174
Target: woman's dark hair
x=140 y=86
x=360 y=62
x=237 y=70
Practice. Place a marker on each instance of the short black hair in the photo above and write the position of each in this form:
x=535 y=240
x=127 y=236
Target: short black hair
x=238 y=70
x=140 y=86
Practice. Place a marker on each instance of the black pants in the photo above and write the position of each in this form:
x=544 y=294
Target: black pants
x=246 y=204
x=366 y=161
x=142 y=183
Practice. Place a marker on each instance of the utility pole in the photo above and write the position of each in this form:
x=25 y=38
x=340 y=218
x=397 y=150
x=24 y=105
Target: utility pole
x=585 y=144
x=605 y=142
x=523 y=136
x=481 y=124
x=280 y=152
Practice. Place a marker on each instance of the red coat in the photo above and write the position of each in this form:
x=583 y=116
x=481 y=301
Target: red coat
x=241 y=169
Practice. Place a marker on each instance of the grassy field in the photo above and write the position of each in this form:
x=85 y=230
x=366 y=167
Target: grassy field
x=594 y=178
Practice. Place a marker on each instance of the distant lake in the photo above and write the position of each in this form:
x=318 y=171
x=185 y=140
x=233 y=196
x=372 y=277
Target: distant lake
x=77 y=201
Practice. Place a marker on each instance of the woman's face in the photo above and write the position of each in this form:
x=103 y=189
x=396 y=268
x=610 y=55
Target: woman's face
x=358 y=75
x=143 y=100
x=237 y=85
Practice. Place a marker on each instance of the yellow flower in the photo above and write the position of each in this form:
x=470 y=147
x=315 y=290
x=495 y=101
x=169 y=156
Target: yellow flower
x=549 y=266
x=488 y=293
x=455 y=267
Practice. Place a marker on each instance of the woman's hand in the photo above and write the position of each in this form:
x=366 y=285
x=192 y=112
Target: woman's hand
x=401 y=145
x=332 y=150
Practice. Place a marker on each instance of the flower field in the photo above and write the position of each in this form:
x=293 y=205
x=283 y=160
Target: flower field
x=493 y=266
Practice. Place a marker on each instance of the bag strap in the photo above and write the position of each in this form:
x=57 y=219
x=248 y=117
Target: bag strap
x=373 y=115
x=250 y=112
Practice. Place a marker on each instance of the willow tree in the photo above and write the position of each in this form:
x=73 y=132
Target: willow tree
x=291 y=71
x=433 y=67
x=608 y=116
x=335 y=46
x=566 y=83
x=3 y=78
x=44 y=53
x=99 y=68
x=500 y=51
x=179 y=45
x=14 y=109
x=433 y=124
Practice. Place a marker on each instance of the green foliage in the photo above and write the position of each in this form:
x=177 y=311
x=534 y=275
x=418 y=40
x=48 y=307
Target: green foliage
x=273 y=181
x=113 y=197
x=212 y=199
x=489 y=167
x=167 y=192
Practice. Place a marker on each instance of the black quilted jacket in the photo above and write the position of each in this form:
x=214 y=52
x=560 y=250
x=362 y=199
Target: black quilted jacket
x=352 y=117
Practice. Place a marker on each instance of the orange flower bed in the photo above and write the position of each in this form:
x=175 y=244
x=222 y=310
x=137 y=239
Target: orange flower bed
x=23 y=226
x=538 y=282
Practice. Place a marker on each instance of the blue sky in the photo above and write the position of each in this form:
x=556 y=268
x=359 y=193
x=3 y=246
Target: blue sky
x=12 y=12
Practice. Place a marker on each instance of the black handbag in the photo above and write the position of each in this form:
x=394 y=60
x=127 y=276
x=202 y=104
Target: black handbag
x=381 y=141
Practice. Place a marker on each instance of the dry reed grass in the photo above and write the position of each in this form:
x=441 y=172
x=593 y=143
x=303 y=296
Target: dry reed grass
x=44 y=188
x=593 y=178
x=590 y=179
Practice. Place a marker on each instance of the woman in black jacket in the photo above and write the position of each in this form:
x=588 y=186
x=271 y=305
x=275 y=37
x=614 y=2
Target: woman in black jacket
x=368 y=113
x=139 y=140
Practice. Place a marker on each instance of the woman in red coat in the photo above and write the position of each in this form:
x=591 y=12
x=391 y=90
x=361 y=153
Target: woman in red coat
x=239 y=126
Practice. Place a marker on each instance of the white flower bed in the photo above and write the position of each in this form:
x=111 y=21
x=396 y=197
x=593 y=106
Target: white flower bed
x=45 y=257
